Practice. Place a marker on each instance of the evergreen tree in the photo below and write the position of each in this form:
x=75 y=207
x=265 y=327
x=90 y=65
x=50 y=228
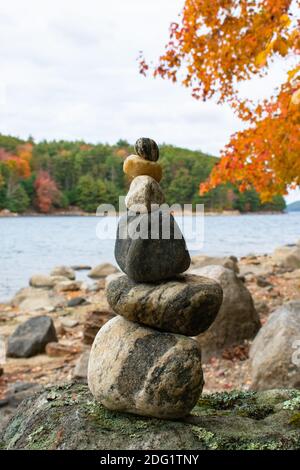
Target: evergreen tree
x=28 y=185
x=18 y=201
x=87 y=193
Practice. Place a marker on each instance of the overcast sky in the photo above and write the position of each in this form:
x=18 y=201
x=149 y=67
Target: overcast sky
x=69 y=71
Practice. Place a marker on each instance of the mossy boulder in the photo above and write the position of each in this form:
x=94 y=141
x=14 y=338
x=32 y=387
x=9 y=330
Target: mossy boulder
x=67 y=417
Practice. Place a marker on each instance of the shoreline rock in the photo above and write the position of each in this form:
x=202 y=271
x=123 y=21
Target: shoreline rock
x=237 y=319
x=102 y=270
x=275 y=351
x=200 y=261
x=32 y=298
x=64 y=271
x=94 y=321
x=31 y=337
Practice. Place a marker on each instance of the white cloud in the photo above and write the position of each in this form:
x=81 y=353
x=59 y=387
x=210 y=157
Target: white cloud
x=69 y=71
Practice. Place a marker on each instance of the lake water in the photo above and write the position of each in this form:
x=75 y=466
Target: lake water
x=36 y=244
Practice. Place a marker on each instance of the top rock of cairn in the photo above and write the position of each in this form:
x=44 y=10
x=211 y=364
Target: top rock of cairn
x=146 y=148
x=143 y=361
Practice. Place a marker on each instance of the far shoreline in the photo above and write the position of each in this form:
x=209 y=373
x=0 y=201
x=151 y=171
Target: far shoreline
x=7 y=214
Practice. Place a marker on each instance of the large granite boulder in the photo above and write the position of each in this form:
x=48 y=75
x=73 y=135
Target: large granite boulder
x=144 y=371
x=287 y=256
x=68 y=418
x=186 y=305
x=31 y=337
x=150 y=247
x=230 y=262
x=275 y=352
x=237 y=319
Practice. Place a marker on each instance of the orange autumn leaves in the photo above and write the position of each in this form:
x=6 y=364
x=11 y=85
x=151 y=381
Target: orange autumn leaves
x=265 y=156
x=18 y=162
x=47 y=192
x=216 y=46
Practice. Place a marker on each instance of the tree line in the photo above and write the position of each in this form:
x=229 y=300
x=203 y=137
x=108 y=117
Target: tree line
x=50 y=175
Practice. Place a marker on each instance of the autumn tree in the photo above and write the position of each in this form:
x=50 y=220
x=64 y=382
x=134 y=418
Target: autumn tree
x=17 y=166
x=14 y=168
x=47 y=193
x=214 y=47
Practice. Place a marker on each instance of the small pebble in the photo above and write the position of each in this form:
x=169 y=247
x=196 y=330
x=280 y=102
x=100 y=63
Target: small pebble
x=147 y=149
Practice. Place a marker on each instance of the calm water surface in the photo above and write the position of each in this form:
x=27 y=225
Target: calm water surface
x=37 y=244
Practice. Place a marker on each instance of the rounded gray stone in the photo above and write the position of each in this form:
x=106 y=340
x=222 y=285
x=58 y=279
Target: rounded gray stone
x=150 y=247
x=147 y=149
x=143 y=193
x=41 y=280
x=64 y=271
x=187 y=305
x=142 y=371
x=102 y=270
x=31 y=337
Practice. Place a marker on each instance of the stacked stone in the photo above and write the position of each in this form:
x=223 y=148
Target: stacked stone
x=144 y=360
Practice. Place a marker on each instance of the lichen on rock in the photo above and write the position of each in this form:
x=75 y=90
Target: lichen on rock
x=68 y=417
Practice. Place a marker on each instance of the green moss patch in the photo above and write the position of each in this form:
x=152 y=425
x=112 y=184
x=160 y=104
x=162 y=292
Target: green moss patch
x=68 y=417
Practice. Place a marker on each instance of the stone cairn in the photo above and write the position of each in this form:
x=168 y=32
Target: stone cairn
x=144 y=360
